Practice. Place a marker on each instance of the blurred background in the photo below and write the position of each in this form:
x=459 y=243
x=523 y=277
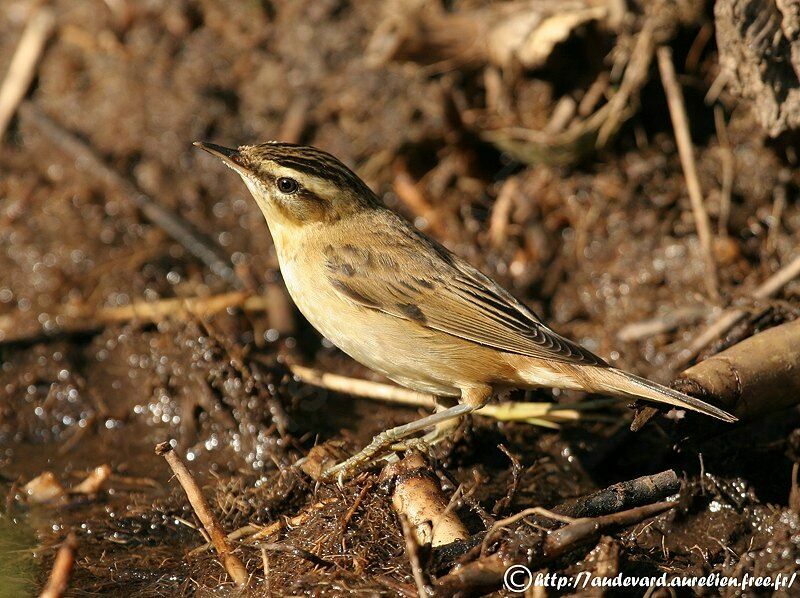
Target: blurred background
x=533 y=138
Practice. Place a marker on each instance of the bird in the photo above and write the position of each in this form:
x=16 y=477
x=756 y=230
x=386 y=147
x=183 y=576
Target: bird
x=404 y=305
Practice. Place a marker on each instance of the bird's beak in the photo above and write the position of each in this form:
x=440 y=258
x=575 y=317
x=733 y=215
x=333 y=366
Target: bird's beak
x=230 y=157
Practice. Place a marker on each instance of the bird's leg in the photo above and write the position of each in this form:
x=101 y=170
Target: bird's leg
x=390 y=437
x=440 y=432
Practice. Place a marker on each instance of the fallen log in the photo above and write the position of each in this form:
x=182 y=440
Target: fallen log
x=754 y=377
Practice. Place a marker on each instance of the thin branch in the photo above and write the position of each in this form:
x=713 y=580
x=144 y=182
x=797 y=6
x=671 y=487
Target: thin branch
x=233 y=565
x=18 y=327
x=531 y=412
x=60 y=575
x=253 y=533
x=363 y=388
x=414 y=199
x=501 y=523
x=23 y=64
x=412 y=551
x=729 y=318
x=501 y=212
x=680 y=124
x=486 y=573
x=581 y=531
x=622 y=496
x=671 y=320
x=171 y=223
x=726 y=191
x=294 y=120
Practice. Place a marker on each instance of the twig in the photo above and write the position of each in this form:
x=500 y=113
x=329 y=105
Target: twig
x=252 y=533
x=513 y=483
x=58 y=581
x=175 y=226
x=299 y=552
x=412 y=550
x=294 y=121
x=794 y=489
x=23 y=65
x=717 y=86
x=530 y=412
x=673 y=319
x=636 y=74
x=581 y=531
x=265 y=565
x=562 y=114
x=730 y=317
x=233 y=565
x=486 y=573
x=778 y=207
x=680 y=125
x=593 y=94
x=625 y=495
x=409 y=193
x=540 y=511
x=501 y=212
x=727 y=171
x=72 y=320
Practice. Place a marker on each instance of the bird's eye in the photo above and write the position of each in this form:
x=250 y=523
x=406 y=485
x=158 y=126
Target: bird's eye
x=287 y=185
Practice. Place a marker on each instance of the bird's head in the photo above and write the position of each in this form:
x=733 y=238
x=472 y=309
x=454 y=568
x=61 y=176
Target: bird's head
x=296 y=184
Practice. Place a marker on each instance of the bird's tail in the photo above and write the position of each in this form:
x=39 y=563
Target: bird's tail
x=622 y=384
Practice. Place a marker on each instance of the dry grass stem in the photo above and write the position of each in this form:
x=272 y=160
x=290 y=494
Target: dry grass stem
x=674 y=318
x=680 y=124
x=233 y=565
x=727 y=160
x=729 y=318
x=414 y=199
x=58 y=582
x=23 y=64
x=501 y=523
x=412 y=550
x=363 y=388
x=253 y=533
x=501 y=212
x=543 y=414
x=171 y=223
x=15 y=327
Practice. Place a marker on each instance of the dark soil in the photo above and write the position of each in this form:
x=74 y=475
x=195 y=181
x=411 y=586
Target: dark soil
x=592 y=246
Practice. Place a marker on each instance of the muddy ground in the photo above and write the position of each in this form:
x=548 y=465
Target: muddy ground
x=602 y=240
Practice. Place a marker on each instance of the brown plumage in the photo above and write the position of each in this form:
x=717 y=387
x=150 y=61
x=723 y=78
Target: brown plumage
x=403 y=304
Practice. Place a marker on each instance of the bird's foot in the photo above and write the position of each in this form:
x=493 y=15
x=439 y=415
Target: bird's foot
x=359 y=461
x=389 y=438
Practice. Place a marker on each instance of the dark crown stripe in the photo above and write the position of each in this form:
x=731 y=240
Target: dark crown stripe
x=313 y=162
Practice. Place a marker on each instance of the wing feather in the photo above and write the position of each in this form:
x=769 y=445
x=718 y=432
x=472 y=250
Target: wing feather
x=438 y=290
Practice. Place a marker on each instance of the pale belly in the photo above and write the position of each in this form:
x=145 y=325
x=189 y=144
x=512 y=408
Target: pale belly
x=411 y=355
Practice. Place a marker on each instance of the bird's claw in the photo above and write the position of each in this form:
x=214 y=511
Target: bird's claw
x=347 y=468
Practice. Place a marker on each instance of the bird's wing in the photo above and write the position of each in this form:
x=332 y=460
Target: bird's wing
x=412 y=277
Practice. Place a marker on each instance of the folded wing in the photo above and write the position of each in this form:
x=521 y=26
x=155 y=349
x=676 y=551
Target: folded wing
x=414 y=278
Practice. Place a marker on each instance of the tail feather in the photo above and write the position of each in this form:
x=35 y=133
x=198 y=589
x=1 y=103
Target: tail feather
x=619 y=383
